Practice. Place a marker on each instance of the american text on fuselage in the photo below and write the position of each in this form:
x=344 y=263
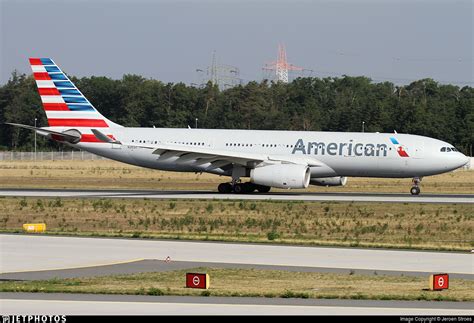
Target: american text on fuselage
x=342 y=149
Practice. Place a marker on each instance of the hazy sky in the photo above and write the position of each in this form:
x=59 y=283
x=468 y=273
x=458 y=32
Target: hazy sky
x=399 y=41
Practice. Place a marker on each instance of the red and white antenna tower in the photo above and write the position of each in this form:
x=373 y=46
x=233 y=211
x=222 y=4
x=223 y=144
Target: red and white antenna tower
x=281 y=67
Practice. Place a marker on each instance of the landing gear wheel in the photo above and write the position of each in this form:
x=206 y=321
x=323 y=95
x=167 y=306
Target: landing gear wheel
x=415 y=190
x=224 y=188
x=249 y=187
x=239 y=188
x=263 y=188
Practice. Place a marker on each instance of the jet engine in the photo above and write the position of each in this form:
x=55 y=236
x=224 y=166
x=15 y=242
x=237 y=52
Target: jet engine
x=281 y=175
x=329 y=181
x=72 y=135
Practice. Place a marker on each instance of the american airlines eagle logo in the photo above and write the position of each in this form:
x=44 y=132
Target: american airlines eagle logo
x=400 y=149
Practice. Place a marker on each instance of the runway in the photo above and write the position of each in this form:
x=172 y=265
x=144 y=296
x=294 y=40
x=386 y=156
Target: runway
x=210 y=195
x=86 y=304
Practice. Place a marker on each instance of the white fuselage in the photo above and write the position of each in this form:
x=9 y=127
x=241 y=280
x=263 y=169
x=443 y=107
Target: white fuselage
x=344 y=153
x=284 y=159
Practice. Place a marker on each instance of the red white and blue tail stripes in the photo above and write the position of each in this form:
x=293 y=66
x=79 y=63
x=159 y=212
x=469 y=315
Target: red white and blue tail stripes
x=64 y=104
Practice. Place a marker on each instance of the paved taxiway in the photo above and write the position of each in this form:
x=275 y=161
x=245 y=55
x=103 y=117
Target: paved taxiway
x=22 y=254
x=281 y=196
x=38 y=252
x=70 y=304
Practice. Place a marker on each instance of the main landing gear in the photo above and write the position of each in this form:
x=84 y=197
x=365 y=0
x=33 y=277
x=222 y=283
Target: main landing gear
x=415 y=190
x=242 y=188
x=236 y=186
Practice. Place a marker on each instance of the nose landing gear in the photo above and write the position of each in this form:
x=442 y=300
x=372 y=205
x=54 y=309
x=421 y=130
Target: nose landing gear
x=415 y=190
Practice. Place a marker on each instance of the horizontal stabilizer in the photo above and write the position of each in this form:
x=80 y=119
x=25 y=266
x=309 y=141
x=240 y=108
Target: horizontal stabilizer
x=60 y=136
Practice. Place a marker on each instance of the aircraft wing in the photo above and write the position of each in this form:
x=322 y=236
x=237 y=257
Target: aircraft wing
x=216 y=158
x=220 y=158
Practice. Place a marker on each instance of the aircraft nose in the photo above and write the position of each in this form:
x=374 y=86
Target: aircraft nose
x=454 y=161
x=463 y=159
x=457 y=161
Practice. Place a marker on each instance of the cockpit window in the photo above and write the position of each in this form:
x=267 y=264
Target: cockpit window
x=448 y=149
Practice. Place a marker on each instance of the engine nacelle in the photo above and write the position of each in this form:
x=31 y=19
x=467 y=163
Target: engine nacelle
x=72 y=136
x=329 y=181
x=281 y=175
x=73 y=132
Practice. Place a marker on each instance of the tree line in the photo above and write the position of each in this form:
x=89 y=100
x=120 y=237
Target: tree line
x=424 y=107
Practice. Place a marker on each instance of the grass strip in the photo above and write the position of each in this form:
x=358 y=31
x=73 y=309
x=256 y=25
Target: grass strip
x=256 y=283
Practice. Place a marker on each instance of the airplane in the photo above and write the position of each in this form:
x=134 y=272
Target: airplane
x=279 y=159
